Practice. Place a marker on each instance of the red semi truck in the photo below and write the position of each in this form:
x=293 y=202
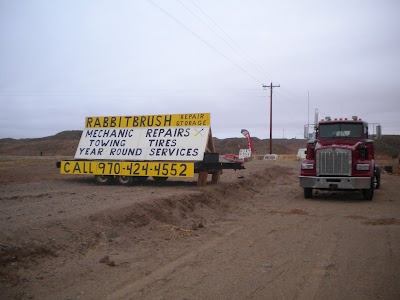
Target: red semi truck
x=340 y=156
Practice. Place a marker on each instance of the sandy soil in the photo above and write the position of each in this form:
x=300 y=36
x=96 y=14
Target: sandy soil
x=252 y=236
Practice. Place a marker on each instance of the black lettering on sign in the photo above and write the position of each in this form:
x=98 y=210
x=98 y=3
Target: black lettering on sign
x=133 y=121
x=97 y=123
x=113 y=122
x=90 y=151
x=89 y=122
x=126 y=151
x=76 y=169
x=168 y=120
x=127 y=121
x=66 y=167
x=173 y=152
x=191 y=123
x=177 y=132
x=87 y=168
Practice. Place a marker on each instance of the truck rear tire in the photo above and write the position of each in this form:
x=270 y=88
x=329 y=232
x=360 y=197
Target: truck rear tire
x=104 y=179
x=125 y=180
x=368 y=194
x=308 y=193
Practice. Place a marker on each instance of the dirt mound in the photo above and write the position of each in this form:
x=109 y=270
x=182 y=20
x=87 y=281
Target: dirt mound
x=175 y=214
x=178 y=212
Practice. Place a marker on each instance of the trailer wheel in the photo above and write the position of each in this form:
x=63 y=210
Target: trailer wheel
x=104 y=179
x=368 y=194
x=125 y=180
x=377 y=177
x=308 y=193
x=160 y=179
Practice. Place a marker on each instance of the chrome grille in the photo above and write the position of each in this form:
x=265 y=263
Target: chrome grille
x=334 y=162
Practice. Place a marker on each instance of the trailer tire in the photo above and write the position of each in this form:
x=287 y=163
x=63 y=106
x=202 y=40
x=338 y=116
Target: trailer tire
x=125 y=180
x=308 y=193
x=104 y=179
x=368 y=194
x=160 y=179
x=377 y=177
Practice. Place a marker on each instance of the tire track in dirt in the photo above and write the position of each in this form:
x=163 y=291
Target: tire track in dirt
x=129 y=290
x=320 y=267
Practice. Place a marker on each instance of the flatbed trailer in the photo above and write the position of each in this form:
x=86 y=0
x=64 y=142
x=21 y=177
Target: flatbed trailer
x=129 y=148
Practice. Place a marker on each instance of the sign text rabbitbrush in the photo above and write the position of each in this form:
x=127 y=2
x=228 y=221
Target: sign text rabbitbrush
x=160 y=137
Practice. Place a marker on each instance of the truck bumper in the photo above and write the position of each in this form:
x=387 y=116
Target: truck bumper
x=336 y=183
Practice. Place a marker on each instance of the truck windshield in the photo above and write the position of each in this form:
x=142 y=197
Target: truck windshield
x=340 y=130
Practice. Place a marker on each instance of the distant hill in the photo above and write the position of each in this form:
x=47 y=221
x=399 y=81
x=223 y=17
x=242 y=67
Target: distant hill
x=261 y=147
x=66 y=142
x=388 y=145
x=63 y=143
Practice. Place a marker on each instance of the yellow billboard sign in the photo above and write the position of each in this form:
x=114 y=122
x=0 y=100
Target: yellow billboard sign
x=175 y=120
x=125 y=168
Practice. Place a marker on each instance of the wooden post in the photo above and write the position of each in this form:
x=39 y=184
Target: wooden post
x=202 y=179
x=215 y=176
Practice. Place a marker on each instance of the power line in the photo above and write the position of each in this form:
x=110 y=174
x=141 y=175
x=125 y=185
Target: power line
x=231 y=44
x=208 y=26
x=243 y=53
x=201 y=39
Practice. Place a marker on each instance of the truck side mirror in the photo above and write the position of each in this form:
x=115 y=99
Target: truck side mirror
x=306 y=132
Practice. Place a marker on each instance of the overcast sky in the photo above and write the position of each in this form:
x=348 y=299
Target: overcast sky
x=61 y=61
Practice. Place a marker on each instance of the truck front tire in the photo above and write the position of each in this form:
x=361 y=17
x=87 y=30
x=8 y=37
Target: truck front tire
x=377 y=177
x=308 y=193
x=368 y=194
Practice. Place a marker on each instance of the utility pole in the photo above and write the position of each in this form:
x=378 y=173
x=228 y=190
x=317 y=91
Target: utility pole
x=270 y=114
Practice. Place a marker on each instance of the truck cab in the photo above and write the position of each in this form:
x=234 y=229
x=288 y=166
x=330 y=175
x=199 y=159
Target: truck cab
x=340 y=156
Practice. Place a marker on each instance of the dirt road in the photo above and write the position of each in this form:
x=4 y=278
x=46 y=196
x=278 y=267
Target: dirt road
x=252 y=236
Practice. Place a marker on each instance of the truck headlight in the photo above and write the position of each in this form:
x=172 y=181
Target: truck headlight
x=305 y=166
x=362 y=167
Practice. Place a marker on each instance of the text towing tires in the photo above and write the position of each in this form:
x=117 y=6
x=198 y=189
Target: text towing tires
x=368 y=194
x=104 y=179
